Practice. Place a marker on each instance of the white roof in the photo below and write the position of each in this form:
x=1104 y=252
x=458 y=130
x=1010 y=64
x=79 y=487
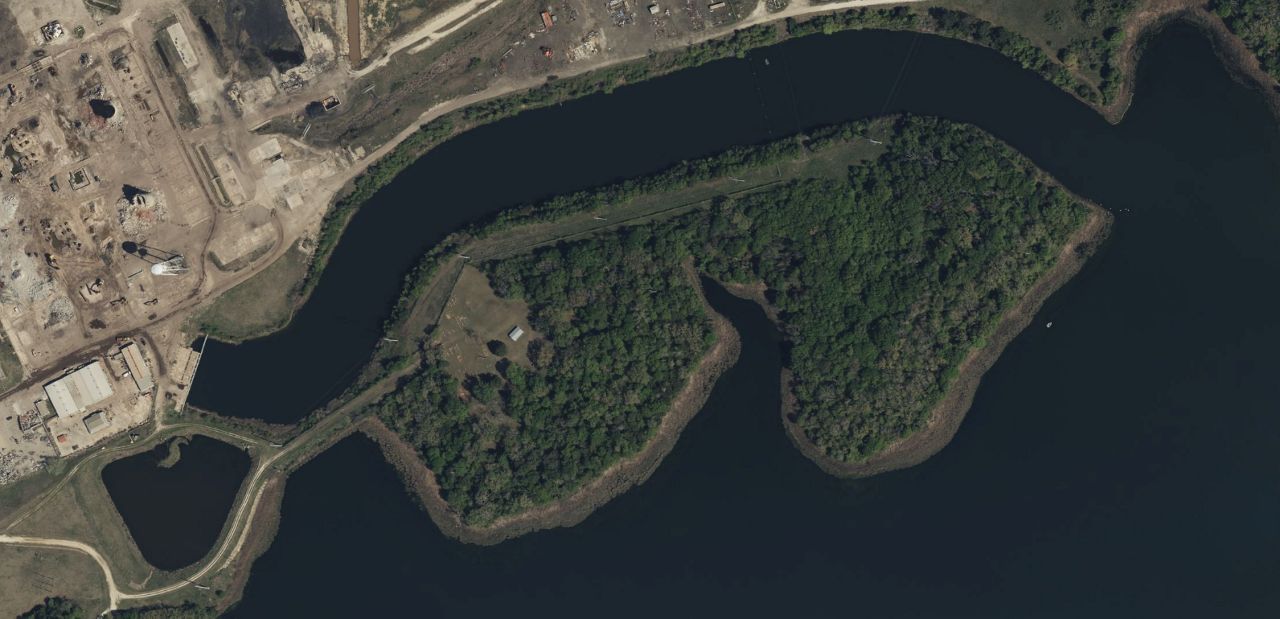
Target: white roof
x=183 y=46
x=137 y=367
x=515 y=333
x=79 y=390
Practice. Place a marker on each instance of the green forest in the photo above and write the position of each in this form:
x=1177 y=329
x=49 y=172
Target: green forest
x=886 y=281
x=1257 y=23
x=622 y=328
x=883 y=278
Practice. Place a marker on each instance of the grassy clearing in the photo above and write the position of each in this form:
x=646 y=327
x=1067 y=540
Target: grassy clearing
x=1076 y=33
x=474 y=317
x=15 y=496
x=80 y=511
x=259 y=305
x=12 y=43
x=28 y=575
x=1031 y=19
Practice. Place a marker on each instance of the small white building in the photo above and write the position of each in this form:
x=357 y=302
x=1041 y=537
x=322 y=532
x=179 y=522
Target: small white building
x=515 y=333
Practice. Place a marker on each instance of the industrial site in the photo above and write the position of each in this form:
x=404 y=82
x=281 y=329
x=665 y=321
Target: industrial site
x=132 y=189
x=153 y=155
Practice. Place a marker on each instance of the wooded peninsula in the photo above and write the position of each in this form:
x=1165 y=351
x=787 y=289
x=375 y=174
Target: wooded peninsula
x=887 y=251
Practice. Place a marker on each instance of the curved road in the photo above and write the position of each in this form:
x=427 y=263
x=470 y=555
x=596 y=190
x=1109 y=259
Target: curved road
x=113 y=594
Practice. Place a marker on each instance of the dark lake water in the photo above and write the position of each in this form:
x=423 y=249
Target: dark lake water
x=175 y=514
x=1120 y=464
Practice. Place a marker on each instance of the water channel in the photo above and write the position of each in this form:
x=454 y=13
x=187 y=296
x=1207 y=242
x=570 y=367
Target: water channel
x=1122 y=463
x=174 y=505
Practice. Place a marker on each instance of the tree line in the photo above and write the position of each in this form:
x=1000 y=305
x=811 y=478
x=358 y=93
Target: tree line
x=1257 y=23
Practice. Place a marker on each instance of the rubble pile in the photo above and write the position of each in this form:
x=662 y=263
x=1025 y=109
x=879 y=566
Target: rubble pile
x=140 y=212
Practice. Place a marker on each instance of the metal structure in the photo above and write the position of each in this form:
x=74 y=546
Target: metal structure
x=176 y=265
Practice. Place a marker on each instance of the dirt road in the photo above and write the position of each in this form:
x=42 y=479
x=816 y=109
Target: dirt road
x=437 y=28
x=113 y=594
x=353 y=31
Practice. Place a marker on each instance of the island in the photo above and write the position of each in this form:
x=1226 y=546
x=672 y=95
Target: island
x=179 y=175
x=897 y=255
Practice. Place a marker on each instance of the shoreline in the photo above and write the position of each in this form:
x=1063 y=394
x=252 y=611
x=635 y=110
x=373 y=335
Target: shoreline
x=620 y=477
x=947 y=414
x=1239 y=61
x=345 y=184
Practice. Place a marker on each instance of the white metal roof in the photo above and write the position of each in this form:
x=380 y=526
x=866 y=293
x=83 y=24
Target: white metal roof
x=138 y=367
x=79 y=390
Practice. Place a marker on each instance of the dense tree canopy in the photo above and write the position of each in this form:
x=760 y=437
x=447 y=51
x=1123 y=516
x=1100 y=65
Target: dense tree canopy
x=1257 y=23
x=884 y=279
x=55 y=608
x=885 y=282
x=621 y=329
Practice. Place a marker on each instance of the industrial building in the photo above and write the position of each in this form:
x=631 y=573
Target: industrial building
x=95 y=422
x=138 y=367
x=77 y=391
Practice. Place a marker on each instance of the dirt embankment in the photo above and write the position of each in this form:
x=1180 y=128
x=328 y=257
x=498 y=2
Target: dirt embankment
x=946 y=416
x=1154 y=16
x=1240 y=61
x=258 y=538
x=615 y=480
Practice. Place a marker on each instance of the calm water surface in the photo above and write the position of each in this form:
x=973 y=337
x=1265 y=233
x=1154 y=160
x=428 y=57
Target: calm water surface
x=175 y=514
x=1120 y=464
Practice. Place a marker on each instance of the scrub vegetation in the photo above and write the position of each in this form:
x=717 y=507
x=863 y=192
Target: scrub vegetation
x=883 y=277
x=10 y=367
x=258 y=305
x=1257 y=23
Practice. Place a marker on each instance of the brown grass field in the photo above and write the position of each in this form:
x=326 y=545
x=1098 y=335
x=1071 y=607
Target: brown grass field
x=474 y=316
x=259 y=305
x=28 y=575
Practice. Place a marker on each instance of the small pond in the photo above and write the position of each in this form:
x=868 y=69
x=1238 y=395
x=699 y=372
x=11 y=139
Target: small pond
x=175 y=508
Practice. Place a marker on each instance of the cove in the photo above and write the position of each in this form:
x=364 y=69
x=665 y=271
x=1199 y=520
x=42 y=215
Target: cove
x=176 y=513
x=1122 y=463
